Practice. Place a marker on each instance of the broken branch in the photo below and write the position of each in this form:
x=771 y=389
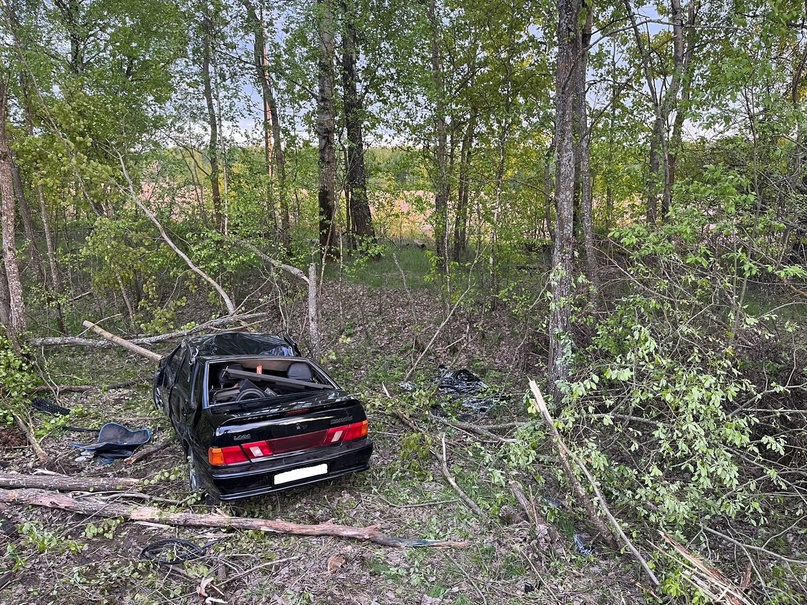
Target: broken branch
x=93 y=507
x=444 y=468
x=153 y=218
x=565 y=454
x=25 y=427
x=124 y=343
x=148 y=340
x=143 y=454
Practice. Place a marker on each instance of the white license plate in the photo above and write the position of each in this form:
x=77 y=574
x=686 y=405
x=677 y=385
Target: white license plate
x=301 y=473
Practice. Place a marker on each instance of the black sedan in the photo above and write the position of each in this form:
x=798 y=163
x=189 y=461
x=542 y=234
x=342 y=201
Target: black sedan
x=255 y=417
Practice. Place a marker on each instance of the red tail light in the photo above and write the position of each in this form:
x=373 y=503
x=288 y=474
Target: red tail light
x=248 y=452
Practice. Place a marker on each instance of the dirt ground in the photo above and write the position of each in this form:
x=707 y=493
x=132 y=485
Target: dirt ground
x=52 y=556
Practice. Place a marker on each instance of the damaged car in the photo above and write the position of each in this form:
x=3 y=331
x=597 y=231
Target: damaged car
x=254 y=416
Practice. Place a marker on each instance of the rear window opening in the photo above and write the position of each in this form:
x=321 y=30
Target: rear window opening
x=261 y=378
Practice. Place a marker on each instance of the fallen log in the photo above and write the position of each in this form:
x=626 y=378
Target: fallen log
x=66 y=483
x=130 y=346
x=97 y=508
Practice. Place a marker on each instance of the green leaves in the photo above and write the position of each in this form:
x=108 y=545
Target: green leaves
x=16 y=381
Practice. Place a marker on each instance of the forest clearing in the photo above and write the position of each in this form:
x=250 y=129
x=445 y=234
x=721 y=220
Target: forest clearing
x=555 y=254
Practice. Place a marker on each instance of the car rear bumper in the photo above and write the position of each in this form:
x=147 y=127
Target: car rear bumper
x=275 y=475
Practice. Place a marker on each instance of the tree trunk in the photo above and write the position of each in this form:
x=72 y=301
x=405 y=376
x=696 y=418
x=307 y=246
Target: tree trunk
x=463 y=192
x=584 y=138
x=16 y=320
x=652 y=177
x=549 y=190
x=70 y=13
x=361 y=223
x=27 y=222
x=212 y=121
x=27 y=106
x=560 y=283
x=501 y=164
x=5 y=298
x=326 y=130
x=273 y=148
x=441 y=192
x=687 y=40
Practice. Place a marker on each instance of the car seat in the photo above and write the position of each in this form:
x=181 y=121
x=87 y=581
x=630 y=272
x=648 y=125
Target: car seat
x=300 y=371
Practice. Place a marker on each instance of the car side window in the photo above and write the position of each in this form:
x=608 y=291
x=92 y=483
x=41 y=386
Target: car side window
x=183 y=368
x=176 y=359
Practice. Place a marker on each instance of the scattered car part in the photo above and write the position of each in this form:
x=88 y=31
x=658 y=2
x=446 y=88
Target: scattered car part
x=115 y=441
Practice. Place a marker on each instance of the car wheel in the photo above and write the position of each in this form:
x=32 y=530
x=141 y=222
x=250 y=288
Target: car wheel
x=194 y=479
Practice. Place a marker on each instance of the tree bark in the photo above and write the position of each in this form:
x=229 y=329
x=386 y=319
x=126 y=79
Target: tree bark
x=687 y=40
x=27 y=222
x=109 y=510
x=463 y=192
x=5 y=297
x=584 y=138
x=560 y=283
x=16 y=321
x=326 y=130
x=65 y=483
x=361 y=220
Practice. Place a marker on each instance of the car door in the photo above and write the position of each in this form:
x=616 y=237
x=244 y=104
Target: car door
x=179 y=390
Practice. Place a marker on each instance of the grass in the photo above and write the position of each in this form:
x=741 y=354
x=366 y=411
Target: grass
x=400 y=267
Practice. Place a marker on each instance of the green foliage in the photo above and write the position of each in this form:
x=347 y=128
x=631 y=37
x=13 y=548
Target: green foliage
x=44 y=540
x=660 y=406
x=415 y=453
x=105 y=528
x=17 y=379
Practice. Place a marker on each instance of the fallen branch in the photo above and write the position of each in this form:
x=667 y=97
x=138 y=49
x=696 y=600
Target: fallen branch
x=565 y=455
x=166 y=238
x=57 y=389
x=706 y=578
x=67 y=484
x=148 y=340
x=468 y=502
x=310 y=282
x=444 y=468
x=25 y=427
x=436 y=334
x=124 y=343
x=143 y=454
x=92 y=507
x=473 y=428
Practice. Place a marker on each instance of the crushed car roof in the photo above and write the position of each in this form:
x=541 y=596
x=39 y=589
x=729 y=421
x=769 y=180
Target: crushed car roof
x=241 y=343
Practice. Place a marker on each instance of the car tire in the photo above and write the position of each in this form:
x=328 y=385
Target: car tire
x=194 y=478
